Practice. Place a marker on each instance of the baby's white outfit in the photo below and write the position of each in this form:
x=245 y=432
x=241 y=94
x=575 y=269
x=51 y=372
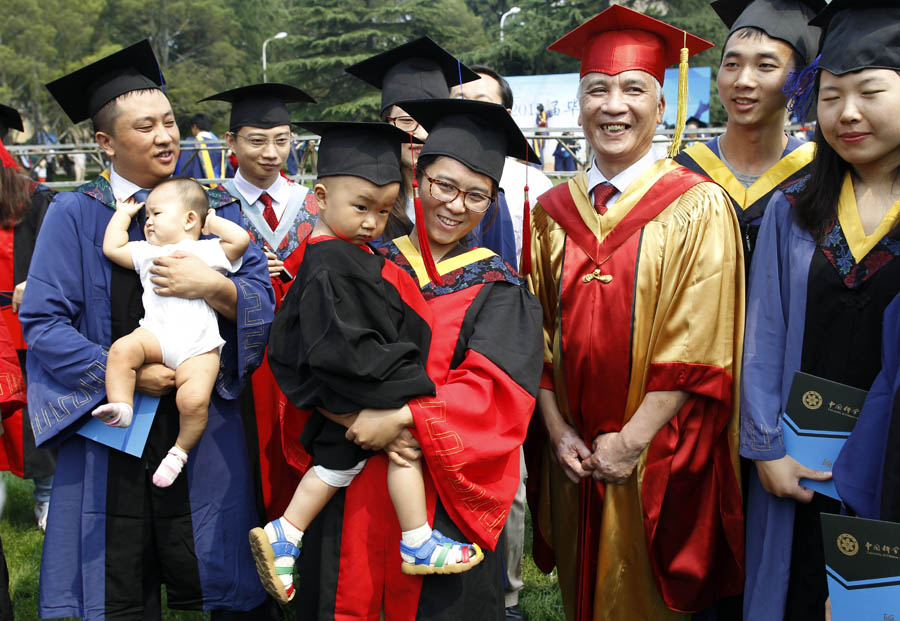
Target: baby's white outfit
x=184 y=327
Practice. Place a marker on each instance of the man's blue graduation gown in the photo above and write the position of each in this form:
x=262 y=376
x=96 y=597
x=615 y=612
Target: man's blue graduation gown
x=67 y=317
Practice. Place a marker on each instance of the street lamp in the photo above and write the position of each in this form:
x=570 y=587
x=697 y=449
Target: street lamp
x=280 y=35
x=503 y=17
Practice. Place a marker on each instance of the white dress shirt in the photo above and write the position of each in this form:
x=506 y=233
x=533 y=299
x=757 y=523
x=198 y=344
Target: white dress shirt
x=280 y=191
x=620 y=181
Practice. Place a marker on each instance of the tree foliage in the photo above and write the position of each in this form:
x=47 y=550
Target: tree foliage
x=205 y=46
x=329 y=35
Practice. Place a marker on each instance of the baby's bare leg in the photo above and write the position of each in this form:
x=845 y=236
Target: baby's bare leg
x=407 y=489
x=195 y=379
x=194 y=382
x=310 y=497
x=125 y=357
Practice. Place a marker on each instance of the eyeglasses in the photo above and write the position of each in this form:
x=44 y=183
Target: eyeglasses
x=258 y=142
x=447 y=192
x=406 y=123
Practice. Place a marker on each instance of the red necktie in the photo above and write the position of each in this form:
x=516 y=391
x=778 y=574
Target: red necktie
x=268 y=212
x=603 y=193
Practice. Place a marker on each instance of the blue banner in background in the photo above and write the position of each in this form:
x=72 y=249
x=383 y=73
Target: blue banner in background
x=559 y=95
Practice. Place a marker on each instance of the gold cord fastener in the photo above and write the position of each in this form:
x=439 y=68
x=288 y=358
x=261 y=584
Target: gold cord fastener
x=598 y=275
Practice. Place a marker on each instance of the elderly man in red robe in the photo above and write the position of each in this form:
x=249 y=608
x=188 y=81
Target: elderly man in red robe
x=638 y=267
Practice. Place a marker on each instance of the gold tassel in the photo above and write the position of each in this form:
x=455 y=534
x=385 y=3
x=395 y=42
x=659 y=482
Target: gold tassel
x=682 y=100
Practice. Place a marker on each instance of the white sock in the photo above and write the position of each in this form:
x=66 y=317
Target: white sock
x=292 y=534
x=116 y=414
x=170 y=467
x=417 y=536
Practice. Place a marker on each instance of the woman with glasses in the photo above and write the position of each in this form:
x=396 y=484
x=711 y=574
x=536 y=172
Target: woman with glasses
x=485 y=360
x=418 y=69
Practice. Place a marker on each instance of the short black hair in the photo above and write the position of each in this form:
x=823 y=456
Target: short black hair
x=201 y=121
x=506 y=95
x=191 y=193
x=104 y=120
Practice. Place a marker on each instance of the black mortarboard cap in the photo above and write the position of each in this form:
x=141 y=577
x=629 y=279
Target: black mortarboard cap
x=479 y=134
x=82 y=93
x=787 y=20
x=860 y=34
x=10 y=119
x=420 y=69
x=367 y=150
x=261 y=105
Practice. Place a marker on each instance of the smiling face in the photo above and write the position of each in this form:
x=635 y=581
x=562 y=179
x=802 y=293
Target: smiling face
x=260 y=152
x=619 y=114
x=857 y=114
x=753 y=71
x=169 y=219
x=143 y=144
x=447 y=223
x=352 y=208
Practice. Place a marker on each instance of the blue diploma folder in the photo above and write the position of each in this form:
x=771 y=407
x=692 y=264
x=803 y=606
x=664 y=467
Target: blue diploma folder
x=862 y=565
x=819 y=418
x=130 y=439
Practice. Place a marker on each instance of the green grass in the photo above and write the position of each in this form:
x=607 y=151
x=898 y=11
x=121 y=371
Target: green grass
x=22 y=543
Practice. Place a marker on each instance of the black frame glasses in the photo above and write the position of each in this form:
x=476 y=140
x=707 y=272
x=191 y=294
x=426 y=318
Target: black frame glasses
x=403 y=122
x=449 y=187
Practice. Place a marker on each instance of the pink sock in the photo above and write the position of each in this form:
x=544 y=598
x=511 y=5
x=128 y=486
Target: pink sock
x=116 y=414
x=170 y=467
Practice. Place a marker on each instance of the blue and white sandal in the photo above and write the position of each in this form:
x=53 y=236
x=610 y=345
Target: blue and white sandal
x=432 y=556
x=265 y=552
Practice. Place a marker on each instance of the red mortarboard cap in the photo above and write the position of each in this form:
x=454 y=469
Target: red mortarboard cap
x=620 y=39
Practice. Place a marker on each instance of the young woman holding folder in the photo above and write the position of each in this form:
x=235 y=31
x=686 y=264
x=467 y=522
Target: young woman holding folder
x=824 y=270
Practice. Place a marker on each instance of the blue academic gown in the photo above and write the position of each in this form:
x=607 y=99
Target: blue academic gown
x=66 y=316
x=860 y=468
x=774 y=349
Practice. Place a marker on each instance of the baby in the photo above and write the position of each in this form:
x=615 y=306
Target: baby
x=181 y=333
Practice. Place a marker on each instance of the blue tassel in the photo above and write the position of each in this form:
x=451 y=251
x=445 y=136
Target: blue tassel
x=800 y=87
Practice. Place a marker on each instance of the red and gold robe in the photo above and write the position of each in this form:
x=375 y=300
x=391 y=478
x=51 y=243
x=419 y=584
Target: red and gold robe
x=648 y=297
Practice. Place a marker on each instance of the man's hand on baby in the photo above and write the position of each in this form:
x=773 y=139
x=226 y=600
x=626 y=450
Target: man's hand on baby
x=182 y=275
x=154 y=379
x=129 y=206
